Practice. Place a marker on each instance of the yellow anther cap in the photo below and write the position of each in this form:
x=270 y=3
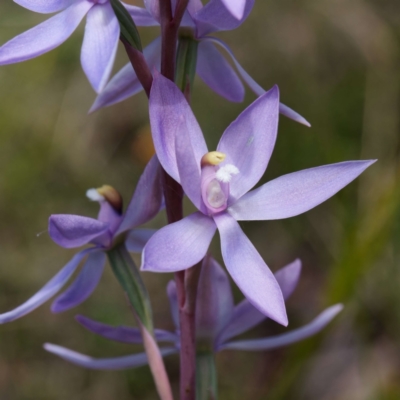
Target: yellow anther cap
x=112 y=196
x=212 y=158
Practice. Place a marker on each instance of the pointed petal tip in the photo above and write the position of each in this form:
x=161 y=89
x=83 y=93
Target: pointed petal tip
x=336 y=309
x=237 y=15
x=293 y=115
x=301 y=120
x=80 y=318
x=282 y=320
x=364 y=164
x=236 y=8
x=275 y=88
x=46 y=345
x=93 y=108
x=298 y=263
x=278 y=315
x=298 y=266
x=56 y=308
x=51 y=348
x=288 y=277
x=273 y=92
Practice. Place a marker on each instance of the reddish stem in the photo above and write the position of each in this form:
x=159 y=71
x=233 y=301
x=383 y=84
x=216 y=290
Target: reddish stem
x=173 y=193
x=170 y=22
x=188 y=349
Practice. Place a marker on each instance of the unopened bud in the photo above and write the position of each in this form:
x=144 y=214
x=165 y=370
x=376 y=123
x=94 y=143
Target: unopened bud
x=212 y=158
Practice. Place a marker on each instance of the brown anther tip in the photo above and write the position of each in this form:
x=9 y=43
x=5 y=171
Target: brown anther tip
x=212 y=158
x=112 y=196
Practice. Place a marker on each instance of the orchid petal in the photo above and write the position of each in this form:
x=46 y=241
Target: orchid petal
x=71 y=231
x=125 y=83
x=287 y=338
x=137 y=239
x=45 y=36
x=189 y=170
x=100 y=44
x=214 y=302
x=146 y=201
x=296 y=193
x=249 y=270
x=171 y=117
x=180 y=245
x=254 y=86
x=109 y=215
x=289 y=113
x=215 y=17
x=121 y=86
x=217 y=73
x=153 y=7
x=47 y=291
x=246 y=316
x=132 y=361
x=235 y=7
x=248 y=141
x=194 y=6
x=45 y=6
x=124 y=334
x=141 y=16
x=288 y=277
x=187 y=20
x=84 y=284
x=173 y=302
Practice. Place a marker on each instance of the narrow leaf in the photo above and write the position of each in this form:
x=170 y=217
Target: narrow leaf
x=129 y=278
x=128 y=28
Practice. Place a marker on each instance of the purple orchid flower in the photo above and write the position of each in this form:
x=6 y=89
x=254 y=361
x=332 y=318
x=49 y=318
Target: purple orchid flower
x=218 y=184
x=212 y=67
x=100 y=42
x=110 y=227
x=218 y=320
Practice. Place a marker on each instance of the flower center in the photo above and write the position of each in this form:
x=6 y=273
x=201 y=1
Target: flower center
x=110 y=202
x=215 y=181
x=225 y=173
x=106 y=193
x=215 y=194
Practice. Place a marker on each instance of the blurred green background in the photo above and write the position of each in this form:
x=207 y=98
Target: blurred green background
x=337 y=63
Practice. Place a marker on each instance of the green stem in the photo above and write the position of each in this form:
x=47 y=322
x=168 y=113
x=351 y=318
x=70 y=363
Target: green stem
x=129 y=278
x=206 y=376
